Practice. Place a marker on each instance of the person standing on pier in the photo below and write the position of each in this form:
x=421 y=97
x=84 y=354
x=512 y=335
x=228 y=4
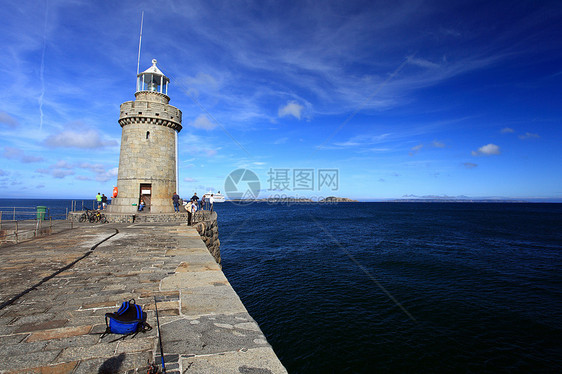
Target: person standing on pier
x=98 y=200
x=195 y=198
x=188 y=209
x=211 y=202
x=176 y=201
x=103 y=201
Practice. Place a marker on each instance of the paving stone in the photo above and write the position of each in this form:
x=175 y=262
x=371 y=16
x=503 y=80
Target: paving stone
x=59 y=333
x=11 y=339
x=28 y=327
x=84 y=353
x=31 y=319
x=115 y=363
x=30 y=359
x=210 y=299
x=66 y=367
x=21 y=348
x=210 y=335
x=252 y=361
x=74 y=341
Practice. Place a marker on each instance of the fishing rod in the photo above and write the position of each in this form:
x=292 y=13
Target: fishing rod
x=159 y=336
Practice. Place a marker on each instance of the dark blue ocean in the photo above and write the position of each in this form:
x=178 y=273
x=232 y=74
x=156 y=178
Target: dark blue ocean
x=398 y=287
x=401 y=287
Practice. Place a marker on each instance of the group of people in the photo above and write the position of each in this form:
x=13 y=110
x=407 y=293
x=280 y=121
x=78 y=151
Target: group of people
x=192 y=206
x=101 y=201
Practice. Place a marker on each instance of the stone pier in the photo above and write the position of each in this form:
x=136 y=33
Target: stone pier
x=55 y=291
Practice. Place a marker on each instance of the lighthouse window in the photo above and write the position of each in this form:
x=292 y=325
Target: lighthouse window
x=147 y=134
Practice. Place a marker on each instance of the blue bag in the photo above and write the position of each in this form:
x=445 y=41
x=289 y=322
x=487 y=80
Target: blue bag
x=129 y=319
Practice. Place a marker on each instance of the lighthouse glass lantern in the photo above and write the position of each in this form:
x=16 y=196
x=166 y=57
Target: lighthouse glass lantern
x=152 y=79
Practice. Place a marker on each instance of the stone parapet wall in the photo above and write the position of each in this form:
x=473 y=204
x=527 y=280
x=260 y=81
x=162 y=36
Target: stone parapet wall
x=151 y=113
x=209 y=231
x=153 y=96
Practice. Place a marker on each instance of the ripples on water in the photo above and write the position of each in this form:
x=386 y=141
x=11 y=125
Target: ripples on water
x=482 y=281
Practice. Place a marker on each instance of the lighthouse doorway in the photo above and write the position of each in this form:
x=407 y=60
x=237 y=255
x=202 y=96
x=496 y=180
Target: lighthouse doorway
x=146 y=194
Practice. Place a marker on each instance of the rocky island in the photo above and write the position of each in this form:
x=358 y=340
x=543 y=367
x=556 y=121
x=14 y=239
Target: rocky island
x=334 y=199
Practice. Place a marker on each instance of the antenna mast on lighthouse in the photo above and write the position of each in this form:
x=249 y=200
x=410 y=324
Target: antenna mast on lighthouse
x=140 y=41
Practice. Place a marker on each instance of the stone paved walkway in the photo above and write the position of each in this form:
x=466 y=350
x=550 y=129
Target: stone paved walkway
x=55 y=324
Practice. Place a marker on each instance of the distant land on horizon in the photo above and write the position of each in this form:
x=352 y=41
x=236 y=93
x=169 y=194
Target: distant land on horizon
x=403 y=199
x=468 y=199
x=408 y=198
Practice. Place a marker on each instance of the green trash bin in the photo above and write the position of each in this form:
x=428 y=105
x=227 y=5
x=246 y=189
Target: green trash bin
x=41 y=212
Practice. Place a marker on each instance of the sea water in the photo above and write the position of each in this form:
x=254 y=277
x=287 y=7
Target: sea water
x=401 y=287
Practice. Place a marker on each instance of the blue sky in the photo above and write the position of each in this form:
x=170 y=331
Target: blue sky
x=402 y=98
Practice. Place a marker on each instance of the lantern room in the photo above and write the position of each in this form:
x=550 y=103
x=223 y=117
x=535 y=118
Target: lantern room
x=153 y=80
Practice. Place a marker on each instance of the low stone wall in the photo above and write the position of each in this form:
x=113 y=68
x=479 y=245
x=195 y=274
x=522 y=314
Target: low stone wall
x=209 y=231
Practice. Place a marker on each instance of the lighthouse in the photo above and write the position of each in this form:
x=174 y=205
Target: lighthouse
x=147 y=160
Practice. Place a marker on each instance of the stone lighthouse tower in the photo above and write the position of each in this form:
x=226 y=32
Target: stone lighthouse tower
x=147 y=162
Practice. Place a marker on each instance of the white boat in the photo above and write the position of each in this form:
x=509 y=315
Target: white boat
x=217 y=197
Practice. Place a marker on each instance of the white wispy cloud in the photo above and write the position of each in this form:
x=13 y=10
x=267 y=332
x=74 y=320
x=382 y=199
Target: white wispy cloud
x=107 y=175
x=94 y=168
x=62 y=169
x=89 y=139
x=55 y=172
x=415 y=149
x=438 y=144
x=282 y=140
x=422 y=62
x=19 y=155
x=529 y=135
x=487 y=150
x=8 y=120
x=198 y=146
x=292 y=108
x=469 y=165
x=507 y=130
x=203 y=122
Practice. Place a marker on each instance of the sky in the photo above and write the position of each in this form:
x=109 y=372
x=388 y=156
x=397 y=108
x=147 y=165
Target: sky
x=369 y=100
